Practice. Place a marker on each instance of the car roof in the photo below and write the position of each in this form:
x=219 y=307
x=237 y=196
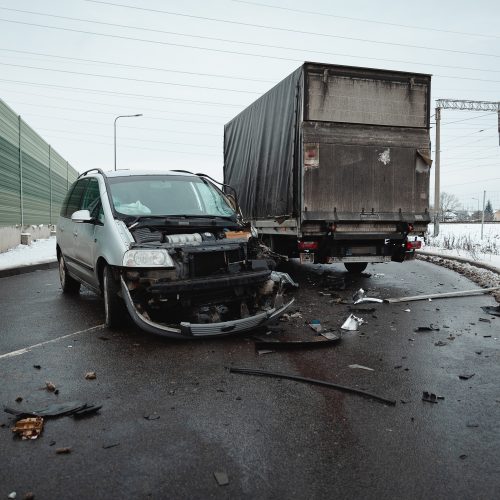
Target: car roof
x=132 y=173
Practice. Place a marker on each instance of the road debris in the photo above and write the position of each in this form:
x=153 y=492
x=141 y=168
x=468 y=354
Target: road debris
x=90 y=376
x=485 y=320
x=493 y=310
x=19 y=399
x=315 y=324
x=429 y=397
x=50 y=386
x=152 y=416
x=440 y=343
x=28 y=428
x=37 y=367
x=264 y=351
x=466 y=376
x=430 y=328
x=360 y=297
x=352 y=323
x=12 y=494
x=221 y=478
x=76 y=408
x=323 y=340
x=111 y=445
x=63 y=451
x=295 y=315
x=463 y=293
x=284 y=278
x=361 y=367
x=250 y=371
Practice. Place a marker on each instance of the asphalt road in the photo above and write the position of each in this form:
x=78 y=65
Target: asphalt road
x=273 y=438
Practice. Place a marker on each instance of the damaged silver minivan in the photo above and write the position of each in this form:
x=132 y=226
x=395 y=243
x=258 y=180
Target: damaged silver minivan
x=172 y=249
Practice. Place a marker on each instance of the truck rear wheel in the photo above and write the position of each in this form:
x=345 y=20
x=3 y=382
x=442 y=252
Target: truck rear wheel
x=355 y=267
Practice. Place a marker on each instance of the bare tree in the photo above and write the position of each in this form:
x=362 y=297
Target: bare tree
x=448 y=203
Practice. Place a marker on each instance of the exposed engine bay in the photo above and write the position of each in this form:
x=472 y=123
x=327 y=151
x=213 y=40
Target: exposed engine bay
x=215 y=273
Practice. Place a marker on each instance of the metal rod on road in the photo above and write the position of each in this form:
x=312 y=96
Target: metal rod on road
x=251 y=371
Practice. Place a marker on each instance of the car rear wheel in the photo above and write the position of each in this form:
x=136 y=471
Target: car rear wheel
x=355 y=267
x=68 y=284
x=114 y=307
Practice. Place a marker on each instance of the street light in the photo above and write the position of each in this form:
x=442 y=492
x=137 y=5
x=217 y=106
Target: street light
x=477 y=199
x=122 y=116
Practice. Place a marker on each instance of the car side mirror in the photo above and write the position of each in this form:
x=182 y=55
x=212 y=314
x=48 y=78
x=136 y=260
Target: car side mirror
x=81 y=216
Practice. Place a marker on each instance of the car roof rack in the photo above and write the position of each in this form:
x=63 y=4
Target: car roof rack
x=100 y=171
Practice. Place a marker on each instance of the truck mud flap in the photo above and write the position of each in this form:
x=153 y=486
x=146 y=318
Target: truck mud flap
x=196 y=330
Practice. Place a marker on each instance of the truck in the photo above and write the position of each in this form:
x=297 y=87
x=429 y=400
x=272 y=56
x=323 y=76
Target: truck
x=333 y=164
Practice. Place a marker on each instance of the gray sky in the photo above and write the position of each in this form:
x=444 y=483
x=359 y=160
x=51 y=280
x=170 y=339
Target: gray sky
x=69 y=67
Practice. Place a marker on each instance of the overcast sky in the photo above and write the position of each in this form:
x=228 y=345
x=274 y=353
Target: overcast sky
x=69 y=67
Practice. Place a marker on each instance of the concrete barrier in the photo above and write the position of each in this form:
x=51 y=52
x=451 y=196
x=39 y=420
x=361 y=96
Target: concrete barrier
x=10 y=236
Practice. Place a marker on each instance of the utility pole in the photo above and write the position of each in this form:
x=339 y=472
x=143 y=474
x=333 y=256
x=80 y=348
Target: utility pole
x=437 y=173
x=482 y=216
x=462 y=104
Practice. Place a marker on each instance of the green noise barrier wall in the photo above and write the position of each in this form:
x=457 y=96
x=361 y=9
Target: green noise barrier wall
x=34 y=178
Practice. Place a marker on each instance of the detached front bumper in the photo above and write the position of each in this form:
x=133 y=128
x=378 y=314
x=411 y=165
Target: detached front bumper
x=194 y=330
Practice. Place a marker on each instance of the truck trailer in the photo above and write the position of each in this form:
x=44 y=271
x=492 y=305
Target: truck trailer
x=333 y=164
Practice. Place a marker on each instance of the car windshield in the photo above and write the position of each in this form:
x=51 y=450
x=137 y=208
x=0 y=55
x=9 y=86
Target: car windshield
x=154 y=195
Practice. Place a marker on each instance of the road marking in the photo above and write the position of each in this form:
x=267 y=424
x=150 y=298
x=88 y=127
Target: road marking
x=28 y=349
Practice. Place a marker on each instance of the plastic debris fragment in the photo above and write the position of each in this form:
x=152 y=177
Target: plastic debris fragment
x=361 y=367
x=352 y=323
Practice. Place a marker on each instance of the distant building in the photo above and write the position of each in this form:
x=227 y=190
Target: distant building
x=496 y=215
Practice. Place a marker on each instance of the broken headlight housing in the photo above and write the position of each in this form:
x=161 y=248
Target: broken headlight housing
x=148 y=258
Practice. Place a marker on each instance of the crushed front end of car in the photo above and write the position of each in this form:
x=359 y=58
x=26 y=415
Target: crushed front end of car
x=186 y=277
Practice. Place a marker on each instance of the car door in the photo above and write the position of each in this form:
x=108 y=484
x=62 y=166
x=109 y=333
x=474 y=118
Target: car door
x=66 y=229
x=85 y=239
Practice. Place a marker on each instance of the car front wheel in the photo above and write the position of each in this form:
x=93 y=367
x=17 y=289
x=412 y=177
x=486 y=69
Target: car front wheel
x=68 y=284
x=114 y=308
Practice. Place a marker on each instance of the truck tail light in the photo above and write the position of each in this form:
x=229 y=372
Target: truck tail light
x=308 y=245
x=413 y=245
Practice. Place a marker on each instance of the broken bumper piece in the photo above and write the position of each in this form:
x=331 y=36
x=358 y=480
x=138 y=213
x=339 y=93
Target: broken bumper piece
x=193 y=330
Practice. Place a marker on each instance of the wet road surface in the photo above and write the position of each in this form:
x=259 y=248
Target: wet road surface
x=273 y=438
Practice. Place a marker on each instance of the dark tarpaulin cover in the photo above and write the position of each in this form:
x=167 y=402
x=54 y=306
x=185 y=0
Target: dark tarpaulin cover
x=259 y=148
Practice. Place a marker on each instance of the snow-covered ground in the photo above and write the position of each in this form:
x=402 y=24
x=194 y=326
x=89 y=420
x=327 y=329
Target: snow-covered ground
x=40 y=251
x=464 y=240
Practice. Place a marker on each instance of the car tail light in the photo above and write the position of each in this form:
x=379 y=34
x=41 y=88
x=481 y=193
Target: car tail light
x=413 y=245
x=308 y=245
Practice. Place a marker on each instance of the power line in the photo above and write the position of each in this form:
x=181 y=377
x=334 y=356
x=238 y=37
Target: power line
x=100 y=75
x=244 y=43
x=109 y=113
x=125 y=94
x=156 y=110
x=324 y=14
x=140 y=148
x=152 y=68
x=132 y=138
x=290 y=30
x=234 y=52
x=106 y=124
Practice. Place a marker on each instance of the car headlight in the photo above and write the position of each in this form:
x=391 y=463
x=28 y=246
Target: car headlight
x=148 y=258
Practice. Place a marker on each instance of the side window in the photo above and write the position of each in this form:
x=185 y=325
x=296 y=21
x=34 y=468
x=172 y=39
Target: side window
x=75 y=197
x=91 y=196
x=64 y=206
x=91 y=200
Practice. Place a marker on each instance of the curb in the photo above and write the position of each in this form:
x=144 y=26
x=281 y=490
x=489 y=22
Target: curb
x=474 y=263
x=14 y=271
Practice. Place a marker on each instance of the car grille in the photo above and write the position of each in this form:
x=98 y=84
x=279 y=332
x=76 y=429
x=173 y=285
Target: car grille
x=209 y=263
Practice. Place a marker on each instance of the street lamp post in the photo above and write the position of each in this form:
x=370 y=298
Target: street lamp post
x=122 y=116
x=477 y=199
